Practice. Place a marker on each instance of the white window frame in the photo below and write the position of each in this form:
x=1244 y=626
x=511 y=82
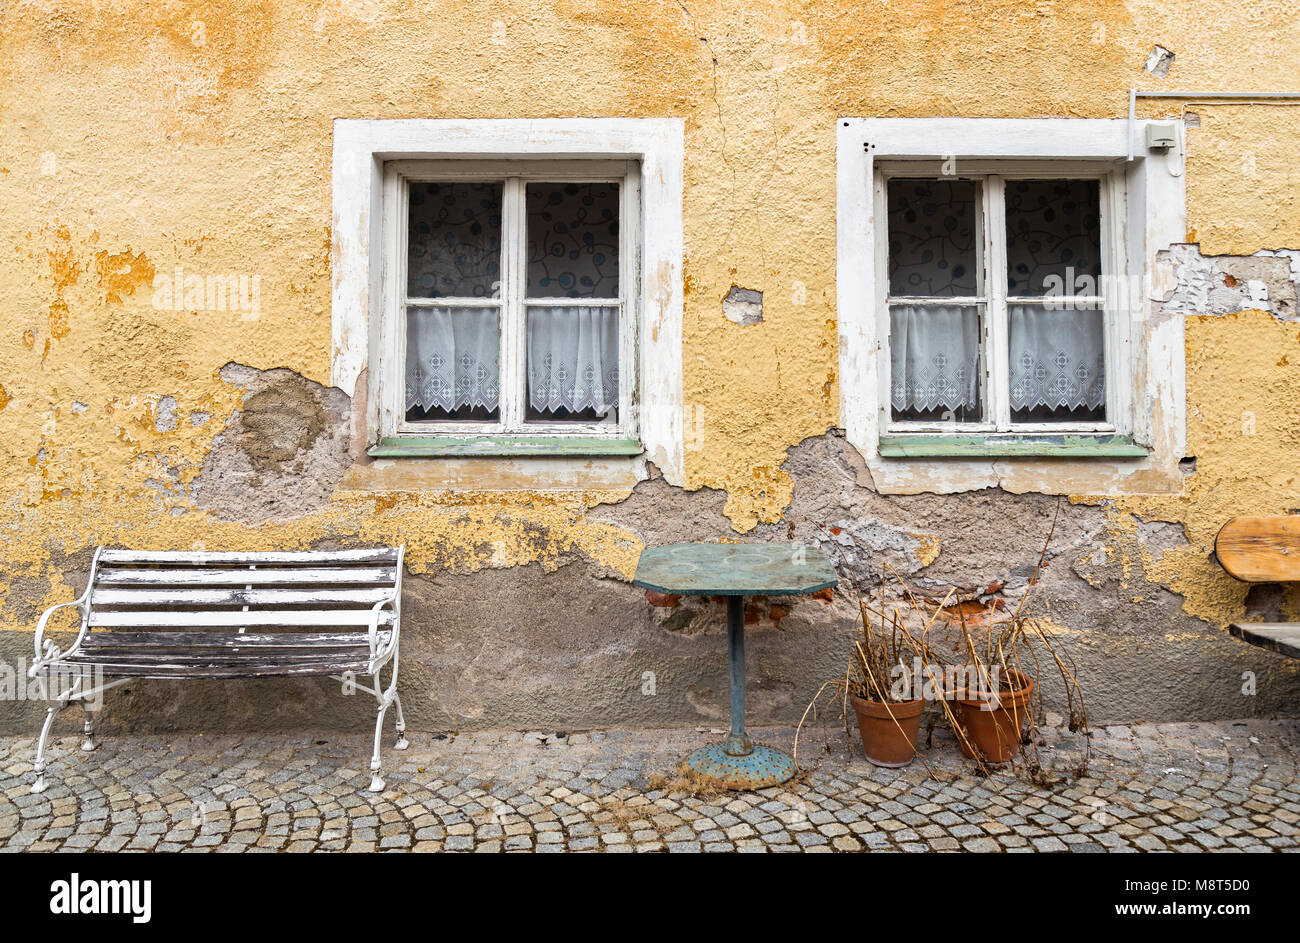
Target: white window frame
x=991 y=228
x=361 y=297
x=511 y=301
x=1145 y=208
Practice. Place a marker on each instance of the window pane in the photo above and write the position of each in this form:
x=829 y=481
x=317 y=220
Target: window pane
x=932 y=238
x=573 y=364
x=452 y=364
x=1053 y=237
x=1058 y=364
x=454 y=241
x=934 y=355
x=572 y=240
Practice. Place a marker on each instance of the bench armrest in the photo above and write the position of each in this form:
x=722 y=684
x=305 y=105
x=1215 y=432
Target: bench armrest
x=47 y=652
x=376 y=653
x=394 y=602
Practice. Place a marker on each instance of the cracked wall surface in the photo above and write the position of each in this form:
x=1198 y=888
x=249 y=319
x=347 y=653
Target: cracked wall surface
x=147 y=146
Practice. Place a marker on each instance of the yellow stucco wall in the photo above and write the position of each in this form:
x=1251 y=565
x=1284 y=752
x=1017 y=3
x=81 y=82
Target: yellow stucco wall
x=138 y=137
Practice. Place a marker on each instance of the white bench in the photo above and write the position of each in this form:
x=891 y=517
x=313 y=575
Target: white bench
x=198 y=615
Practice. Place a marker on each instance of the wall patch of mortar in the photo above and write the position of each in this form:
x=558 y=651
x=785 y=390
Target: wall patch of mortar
x=1158 y=61
x=283 y=451
x=164 y=417
x=743 y=306
x=1158 y=537
x=1226 y=284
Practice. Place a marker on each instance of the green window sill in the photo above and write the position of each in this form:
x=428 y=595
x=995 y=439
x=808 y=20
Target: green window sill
x=431 y=446
x=992 y=445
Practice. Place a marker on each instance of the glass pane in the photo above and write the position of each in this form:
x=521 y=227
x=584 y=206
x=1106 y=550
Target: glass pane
x=573 y=364
x=934 y=356
x=1053 y=237
x=454 y=240
x=1058 y=364
x=452 y=364
x=572 y=240
x=932 y=238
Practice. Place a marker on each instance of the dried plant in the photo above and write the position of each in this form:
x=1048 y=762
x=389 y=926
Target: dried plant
x=962 y=647
x=1018 y=644
x=884 y=663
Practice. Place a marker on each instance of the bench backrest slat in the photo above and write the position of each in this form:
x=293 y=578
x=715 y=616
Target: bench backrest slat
x=241 y=558
x=236 y=596
x=127 y=642
x=226 y=576
x=102 y=618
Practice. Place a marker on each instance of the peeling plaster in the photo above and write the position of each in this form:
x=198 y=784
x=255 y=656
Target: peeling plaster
x=743 y=306
x=1219 y=285
x=1158 y=61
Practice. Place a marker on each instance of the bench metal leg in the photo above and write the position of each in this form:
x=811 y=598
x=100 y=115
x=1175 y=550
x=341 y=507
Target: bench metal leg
x=39 y=765
x=88 y=727
x=402 y=743
x=376 y=779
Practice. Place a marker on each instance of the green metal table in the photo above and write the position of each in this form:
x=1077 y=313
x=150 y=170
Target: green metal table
x=736 y=571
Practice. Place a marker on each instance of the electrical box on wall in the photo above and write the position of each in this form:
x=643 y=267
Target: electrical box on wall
x=1161 y=135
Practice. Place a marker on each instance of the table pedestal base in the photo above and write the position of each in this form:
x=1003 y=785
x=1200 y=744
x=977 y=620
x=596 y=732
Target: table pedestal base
x=761 y=767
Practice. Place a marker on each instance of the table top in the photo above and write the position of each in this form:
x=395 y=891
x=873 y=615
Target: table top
x=712 y=569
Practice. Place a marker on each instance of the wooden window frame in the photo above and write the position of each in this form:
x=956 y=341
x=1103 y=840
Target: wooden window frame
x=1152 y=218
x=993 y=301
x=512 y=302
x=361 y=149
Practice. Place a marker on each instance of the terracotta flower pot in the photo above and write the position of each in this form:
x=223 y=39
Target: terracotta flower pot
x=996 y=733
x=879 y=725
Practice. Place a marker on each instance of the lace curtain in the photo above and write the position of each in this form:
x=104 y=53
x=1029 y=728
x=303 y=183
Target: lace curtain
x=452 y=358
x=1058 y=359
x=934 y=358
x=573 y=358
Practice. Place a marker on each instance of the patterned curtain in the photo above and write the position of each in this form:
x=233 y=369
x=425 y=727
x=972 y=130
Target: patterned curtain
x=452 y=358
x=573 y=358
x=934 y=358
x=1057 y=358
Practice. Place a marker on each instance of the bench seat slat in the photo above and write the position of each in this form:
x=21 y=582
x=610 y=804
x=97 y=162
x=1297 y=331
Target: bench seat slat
x=121 y=642
x=216 y=617
x=288 y=557
x=215 y=668
x=1280 y=637
x=199 y=659
x=236 y=596
x=254 y=658
x=125 y=576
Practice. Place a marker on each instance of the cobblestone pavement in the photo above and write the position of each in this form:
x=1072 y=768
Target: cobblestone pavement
x=1185 y=787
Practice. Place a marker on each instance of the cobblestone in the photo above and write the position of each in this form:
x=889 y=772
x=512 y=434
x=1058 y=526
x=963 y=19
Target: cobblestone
x=1219 y=787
